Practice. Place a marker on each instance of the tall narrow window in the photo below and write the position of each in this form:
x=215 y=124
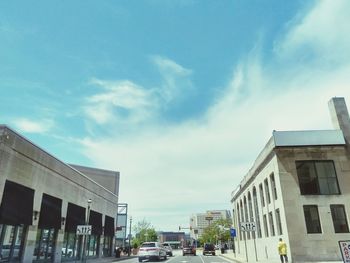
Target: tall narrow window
x=246 y=217
x=312 y=219
x=261 y=192
x=272 y=226
x=242 y=218
x=273 y=186
x=256 y=209
x=267 y=191
x=265 y=226
x=239 y=221
x=317 y=177
x=339 y=219
x=251 y=215
x=278 y=222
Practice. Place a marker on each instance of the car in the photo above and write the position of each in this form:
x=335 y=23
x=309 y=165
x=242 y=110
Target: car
x=189 y=250
x=168 y=248
x=67 y=252
x=209 y=249
x=152 y=250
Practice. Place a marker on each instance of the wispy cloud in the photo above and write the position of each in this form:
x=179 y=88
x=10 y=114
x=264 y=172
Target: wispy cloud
x=176 y=78
x=120 y=100
x=30 y=126
x=322 y=32
x=199 y=162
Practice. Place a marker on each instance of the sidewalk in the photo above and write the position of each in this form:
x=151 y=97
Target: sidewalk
x=109 y=259
x=231 y=256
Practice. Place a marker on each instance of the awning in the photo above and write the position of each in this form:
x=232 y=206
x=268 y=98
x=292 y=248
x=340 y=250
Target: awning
x=95 y=220
x=17 y=204
x=50 y=212
x=109 y=226
x=75 y=216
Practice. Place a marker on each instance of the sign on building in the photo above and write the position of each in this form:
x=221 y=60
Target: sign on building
x=247 y=226
x=83 y=230
x=345 y=250
x=232 y=232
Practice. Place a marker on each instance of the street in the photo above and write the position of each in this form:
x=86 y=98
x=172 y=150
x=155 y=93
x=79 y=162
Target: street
x=179 y=258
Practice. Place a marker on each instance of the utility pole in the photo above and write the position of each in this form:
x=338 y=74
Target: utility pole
x=129 y=249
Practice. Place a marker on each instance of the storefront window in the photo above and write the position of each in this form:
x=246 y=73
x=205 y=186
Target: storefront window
x=45 y=245
x=107 y=246
x=10 y=243
x=92 y=245
x=70 y=248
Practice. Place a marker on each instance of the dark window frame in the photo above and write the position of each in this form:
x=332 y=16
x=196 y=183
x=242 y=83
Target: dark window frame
x=310 y=184
x=313 y=226
x=339 y=228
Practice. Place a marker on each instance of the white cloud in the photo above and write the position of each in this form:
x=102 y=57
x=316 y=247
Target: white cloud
x=119 y=96
x=198 y=163
x=30 y=126
x=176 y=78
x=325 y=30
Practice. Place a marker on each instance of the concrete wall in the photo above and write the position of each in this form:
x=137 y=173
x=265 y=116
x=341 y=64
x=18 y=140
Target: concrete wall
x=25 y=163
x=302 y=245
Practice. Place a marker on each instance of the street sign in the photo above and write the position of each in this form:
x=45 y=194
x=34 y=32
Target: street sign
x=345 y=250
x=84 y=230
x=248 y=226
x=232 y=232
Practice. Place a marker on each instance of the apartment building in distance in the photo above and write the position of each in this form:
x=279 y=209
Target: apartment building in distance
x=199 y=221
x=299 y=190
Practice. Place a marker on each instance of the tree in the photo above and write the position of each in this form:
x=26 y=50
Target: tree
x=217 y=231
x=144 y=232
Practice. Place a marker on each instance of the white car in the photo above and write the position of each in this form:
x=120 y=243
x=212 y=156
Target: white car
x=168 y=248
x=152 y=250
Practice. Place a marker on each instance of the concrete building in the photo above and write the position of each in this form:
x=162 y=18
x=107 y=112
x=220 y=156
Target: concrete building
x=298 y=189
x=175 y=239
x=200 y=221
x=43 y=200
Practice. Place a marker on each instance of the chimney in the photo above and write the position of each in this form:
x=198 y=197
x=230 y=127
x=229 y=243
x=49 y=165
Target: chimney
x=340 y=116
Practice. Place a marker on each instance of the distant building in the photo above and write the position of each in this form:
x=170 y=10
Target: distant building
x=43 y=200
x=200 y=221
x=298 y=189
x=175 y=239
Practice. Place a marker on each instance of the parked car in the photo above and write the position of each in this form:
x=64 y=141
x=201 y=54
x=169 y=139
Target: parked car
x=189 y=250
x=209 y=249
x=168 y=248
x=152 y=250
x=67 y=252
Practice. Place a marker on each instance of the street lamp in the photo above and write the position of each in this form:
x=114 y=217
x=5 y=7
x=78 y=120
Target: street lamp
x=129 y=250
x=89 y=201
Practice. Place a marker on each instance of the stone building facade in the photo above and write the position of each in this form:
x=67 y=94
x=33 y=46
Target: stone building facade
x=43 y=200
x=299 y=190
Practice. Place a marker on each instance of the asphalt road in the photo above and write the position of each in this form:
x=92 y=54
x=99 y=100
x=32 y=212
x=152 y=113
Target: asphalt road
x=179 y=258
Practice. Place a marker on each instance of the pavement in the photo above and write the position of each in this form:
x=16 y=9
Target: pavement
x=110 y=259
x=229 y=255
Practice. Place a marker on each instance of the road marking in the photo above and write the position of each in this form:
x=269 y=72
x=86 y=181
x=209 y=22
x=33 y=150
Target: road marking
x=201 y=258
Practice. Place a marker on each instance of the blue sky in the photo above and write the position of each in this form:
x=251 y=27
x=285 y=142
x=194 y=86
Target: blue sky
x=179 y=96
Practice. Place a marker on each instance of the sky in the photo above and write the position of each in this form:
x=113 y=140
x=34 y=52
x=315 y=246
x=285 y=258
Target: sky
x=179 y=96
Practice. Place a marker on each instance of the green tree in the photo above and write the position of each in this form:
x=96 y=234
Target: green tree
x=217 y=231
x=144 y=232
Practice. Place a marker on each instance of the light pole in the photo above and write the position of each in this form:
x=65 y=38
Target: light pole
x=89 y=201
x=129 y=249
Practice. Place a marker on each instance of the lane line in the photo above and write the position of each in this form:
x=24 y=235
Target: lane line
x=200 y=256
